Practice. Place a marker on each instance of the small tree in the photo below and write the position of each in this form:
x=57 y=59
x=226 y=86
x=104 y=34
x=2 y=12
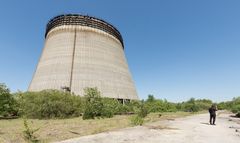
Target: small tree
x=49 y=104
x=191 y=106
x=94 y=106
x=7 y=102
x=151 y=98
x=29 y=133
x=137 y=120
x=142 y=110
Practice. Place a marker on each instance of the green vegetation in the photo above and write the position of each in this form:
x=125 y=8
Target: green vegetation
x=233 y=106
x=95 y=105
x=84 y=115
x=194 y=105
x=142 y=112
x=49 y=104
x=8 y=105
x=137 y=120
x=158 y=105
x=53 y=130
x=28 y=133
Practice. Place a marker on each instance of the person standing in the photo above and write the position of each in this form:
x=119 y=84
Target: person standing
x=212 y=112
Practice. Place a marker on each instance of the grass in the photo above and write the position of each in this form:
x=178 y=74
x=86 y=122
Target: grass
x=62 y=129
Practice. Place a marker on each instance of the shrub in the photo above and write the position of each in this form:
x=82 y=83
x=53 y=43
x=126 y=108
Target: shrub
x=107 y=112
x=8 y=106
x=158 y=105
x=29 y=133
x=221 y=106
x=142 y=112
x=137 y=120
x=151 y=98
x=170 y=107
x=124 y=108
x=49 y=104
x=203 y=104
x=236 y=108
x=112 y=106
x=95 y=106
x=190 y=106
x=93 y=103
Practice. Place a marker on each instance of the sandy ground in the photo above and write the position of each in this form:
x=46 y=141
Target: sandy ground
x=192 y=129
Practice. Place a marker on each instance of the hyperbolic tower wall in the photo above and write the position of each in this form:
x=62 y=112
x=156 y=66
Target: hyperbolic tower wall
x=83 y=51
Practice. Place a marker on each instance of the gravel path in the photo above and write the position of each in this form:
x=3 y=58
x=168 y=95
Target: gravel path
x=192 y=129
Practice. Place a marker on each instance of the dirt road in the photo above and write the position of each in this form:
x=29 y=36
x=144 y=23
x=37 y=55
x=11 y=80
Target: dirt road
x=192 y=129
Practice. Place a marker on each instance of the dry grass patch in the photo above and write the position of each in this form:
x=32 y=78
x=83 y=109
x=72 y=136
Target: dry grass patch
x=11 y=131
x=59 y=129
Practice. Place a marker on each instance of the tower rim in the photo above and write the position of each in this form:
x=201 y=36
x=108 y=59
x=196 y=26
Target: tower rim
x=83 y=20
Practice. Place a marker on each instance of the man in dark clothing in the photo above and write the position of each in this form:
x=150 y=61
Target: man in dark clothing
x=212 y=112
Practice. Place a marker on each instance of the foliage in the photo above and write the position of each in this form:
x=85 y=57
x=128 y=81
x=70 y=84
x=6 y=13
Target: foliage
x=49 y=104
x=8 y=105
x=142 y=112
x=151 y=98
x=58 y=104
x=94 y=105
x=158 y=105
x=29 y=133
x=137 y=120
x=233 y=106
x=110 y=107
x=193 y=105
x=236 y=108
x=221 y=106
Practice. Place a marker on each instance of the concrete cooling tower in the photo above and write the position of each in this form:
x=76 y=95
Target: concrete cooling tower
x=83 y=51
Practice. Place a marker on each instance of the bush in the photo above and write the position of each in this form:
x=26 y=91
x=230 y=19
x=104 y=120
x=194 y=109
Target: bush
x=170 y=107
x=191 y=106
x=95 y=106
x=124 y=109
x=236 y=108
x=8 y=105
x=49 y=104
x=93 y=103
x=203 y=104
x=29 y=134
x=151 y=98
x=137 y=120
x=107 y=112
x=155 y=106
x=221 y=106
x=142 y=111
x=158 y=105
x=110 y=106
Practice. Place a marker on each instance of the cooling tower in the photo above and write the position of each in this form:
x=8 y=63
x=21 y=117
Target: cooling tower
x=83 y=51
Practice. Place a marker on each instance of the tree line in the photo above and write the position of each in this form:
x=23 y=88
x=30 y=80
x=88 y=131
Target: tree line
x=48 y=104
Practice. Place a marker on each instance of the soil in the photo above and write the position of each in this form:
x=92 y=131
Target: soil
x=191 y=129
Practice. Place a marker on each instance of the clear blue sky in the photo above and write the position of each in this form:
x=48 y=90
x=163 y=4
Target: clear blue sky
x=176 y=49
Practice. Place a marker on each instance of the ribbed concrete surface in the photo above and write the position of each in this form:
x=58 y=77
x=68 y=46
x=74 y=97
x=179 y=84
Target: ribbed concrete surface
x=80 y=57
